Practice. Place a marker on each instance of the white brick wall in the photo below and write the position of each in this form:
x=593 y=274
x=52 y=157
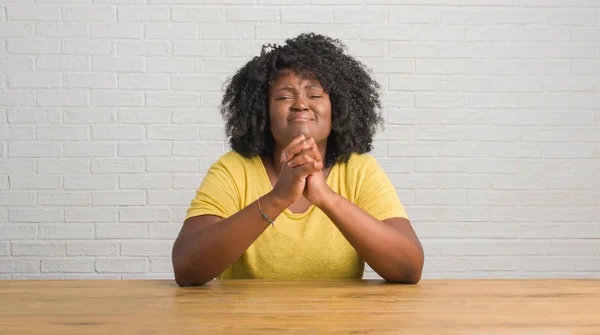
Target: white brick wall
x=109 y=120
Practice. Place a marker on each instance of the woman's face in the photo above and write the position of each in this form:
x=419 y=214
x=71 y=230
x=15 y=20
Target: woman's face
x=298 y=105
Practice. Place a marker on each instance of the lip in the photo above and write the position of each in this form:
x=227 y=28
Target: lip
x=300 y=119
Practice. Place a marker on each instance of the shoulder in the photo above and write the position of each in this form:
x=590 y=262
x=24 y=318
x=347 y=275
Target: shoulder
x=234 y=161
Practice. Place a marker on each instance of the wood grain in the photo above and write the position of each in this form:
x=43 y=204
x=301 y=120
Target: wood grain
x=301 y=307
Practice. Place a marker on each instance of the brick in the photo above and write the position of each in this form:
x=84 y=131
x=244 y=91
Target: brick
x=439 y=100
x=171 y=100
x=38 y=214
x=71 y=231
x=13 y=265
x=200 y=115
x=120 y=231
x=568 y=150
x=64 y=198
x=571 y=17
x=395 y=133
x=585 y=230
x=16 y=98
x=569 y=83
x=397 y=99
x=212 y=133
x=122 y=265
x=144 y=149
x=520 y=150
x=126 y=30
x=397 y=149
x=107 y=81
x=175 y=133
x=585 y=34
x=465 y=50
x=33 y=80
x=517 y=183
x=545 y=264
x=178 y=197
x=117 y=98
x=585 y=100
x=251 y=14
x=546 y=66
x=89 y=182
x=223 y=65
x=508 y=50
x=413 y=49
x=478 y=66
x=391 y=32
x=466 y=230
x=118 y=198
x=144 y=13
x=89 y=149
x=31 y=12
x=306 y=15
x=493 y=34
x=540 y=134
x=38 y=276
x=413 y=181
x=438 y=165
x=440 y=197
x=516 y=84
x=194 y=83
x=568 y=183
x=466 y=16
x=396 y=165
x=543 y=231
x=439 y=133
x=438 y=33
x=145 y=181
x=543 y=166
x=62 y=133
x=117 y=165
x=495 y=134
x=13 y=232
x=146 y=248
x=163 y=231
x=91 y=275
x=63 y=166
x=144 y=115
x=172 y=164
x=100 y=13
x=66 y=62
x=143 y=48
x=203 y=14
x=18 y=63
x=465 y=149
x=199 y=149
x=71 y=97
x=90 y=214
x=161 y=264
x=144 y=214
x=118 y=63
x=143 y=82
x=493 y=100
x=61 y=29
x=38 y=248
x=568 y=118
x=585 y=198
x=412 y=116
x=33 y=46
x=4 y=249
x=16 y=133
x=187 y=181
x=17 y=166
x=34 y=149
x=67 y=265
x=440 y=66
x=24 y=115
x=392 y=65
x=92 y=248
x=117 y=132
x=14 y=29
x=491 y=165
x=545 y=34
x=585 y=135
x=160 y=30
x=354 y=15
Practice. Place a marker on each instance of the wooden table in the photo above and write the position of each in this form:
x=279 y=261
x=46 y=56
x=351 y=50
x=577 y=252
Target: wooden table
x=301 y=307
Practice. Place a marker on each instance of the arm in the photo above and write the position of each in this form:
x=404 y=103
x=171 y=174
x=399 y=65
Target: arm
x=390 y=247
x=207 y=245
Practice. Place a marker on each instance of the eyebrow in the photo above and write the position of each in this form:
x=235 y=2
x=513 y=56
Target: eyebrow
x=289 y=88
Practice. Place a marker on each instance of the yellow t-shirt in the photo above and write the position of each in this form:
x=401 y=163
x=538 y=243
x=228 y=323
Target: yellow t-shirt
x=300 y=246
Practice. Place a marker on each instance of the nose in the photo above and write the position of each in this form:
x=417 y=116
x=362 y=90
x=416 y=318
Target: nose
x=299 y=104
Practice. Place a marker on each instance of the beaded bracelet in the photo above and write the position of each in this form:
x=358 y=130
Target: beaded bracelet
x=265 y=215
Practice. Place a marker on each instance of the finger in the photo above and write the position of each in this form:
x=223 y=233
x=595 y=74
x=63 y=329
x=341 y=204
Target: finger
x=291 y=144
x=302 y=171
x=311 y=152
x=295 y=149
x=300 y=160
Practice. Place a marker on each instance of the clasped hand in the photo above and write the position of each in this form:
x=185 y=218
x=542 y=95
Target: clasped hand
x=302 y=173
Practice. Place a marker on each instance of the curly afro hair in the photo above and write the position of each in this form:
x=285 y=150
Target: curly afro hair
x=354 y=97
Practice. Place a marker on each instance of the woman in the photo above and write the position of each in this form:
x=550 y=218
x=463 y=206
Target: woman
x=298 y=197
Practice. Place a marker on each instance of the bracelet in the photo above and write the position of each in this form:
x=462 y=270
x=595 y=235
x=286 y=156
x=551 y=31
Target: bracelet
x=265 y=215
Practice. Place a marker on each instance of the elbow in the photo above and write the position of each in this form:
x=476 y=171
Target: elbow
x=408 y=272
x=185 y=279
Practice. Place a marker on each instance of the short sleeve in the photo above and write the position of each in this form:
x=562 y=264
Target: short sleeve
x=218 y=193
x=376 y=193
